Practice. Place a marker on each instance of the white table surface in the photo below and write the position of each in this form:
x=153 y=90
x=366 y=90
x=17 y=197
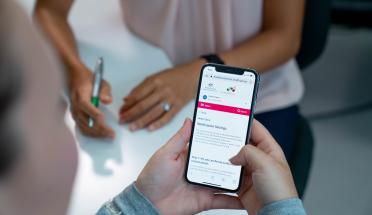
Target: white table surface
x=106 y=167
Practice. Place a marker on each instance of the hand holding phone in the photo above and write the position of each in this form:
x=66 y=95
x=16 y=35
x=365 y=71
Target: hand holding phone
x=221 y=125
x=162 y=182
x=267 y=177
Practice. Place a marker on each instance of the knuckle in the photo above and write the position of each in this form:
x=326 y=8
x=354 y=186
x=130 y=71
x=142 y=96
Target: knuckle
x=245 y=150
x=148 y=79
x=157 y=81
x=155 y=125
x=106 y=132
x=141 y=122
x=160 y=123
x=129 y=115
x=101 y=124
x=97 y=115
x=177 y=104
x=137 y=124
x=140 y=107
x=102 y=132
x=166 y=119
x=168 y=91
x=79 y=99
x=94 y=115
x=106 y=86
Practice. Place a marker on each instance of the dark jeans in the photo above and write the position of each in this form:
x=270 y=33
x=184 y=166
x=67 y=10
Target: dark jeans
x=282 y=125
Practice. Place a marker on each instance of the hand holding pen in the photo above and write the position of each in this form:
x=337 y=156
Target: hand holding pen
x=83 y=110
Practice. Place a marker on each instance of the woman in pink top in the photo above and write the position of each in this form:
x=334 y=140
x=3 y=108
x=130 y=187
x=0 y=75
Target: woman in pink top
x=260 y=34
x=38 y=155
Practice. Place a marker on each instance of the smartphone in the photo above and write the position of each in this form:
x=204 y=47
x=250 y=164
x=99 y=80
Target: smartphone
x=221 y=125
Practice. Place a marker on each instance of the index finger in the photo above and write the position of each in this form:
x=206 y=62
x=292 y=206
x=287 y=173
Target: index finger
x=100 y=128
x=138 y=93
x=91 y=110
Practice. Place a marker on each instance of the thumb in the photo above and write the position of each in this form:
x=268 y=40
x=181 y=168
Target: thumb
x=178 y=142
x=250 y=156
x=105 y=95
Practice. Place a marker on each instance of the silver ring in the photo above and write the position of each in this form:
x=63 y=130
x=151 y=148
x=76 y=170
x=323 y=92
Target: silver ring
x=166 y=106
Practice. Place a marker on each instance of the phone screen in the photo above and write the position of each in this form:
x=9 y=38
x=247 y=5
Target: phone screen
x=222 y=118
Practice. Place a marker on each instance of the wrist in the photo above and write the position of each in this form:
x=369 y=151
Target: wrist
x=147 y=195
x=195 y=68
x=281 y=188
x=76 y=73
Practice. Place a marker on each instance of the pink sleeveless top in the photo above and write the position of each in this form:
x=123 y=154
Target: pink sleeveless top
x=186 y=29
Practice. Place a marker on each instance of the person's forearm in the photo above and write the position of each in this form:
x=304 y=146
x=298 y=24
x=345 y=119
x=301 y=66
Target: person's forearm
x=263 y=52
x=278 y=41
x=56 y=27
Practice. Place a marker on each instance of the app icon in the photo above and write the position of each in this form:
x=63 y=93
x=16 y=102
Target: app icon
x=231 y=89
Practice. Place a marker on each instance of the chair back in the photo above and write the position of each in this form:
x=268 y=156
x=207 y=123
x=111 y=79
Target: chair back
x=314 y=31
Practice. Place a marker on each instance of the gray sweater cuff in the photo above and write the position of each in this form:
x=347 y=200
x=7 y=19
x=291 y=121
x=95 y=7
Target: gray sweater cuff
x=130 y=201
x=291 y=206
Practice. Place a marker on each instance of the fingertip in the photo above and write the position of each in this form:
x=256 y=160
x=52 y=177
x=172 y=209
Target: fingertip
x=186 y=128
x=122 y=121
x=127 y=99
x=133 y=127
x=154 y=126
x=188 y=121
x=184 y=123
x=123 y=118
x=187 y=124
x=151 y=128
x=106 y=99
x=233 y=160
x=111 y=134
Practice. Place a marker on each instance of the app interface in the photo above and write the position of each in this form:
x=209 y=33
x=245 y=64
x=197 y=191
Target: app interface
x=221 y=126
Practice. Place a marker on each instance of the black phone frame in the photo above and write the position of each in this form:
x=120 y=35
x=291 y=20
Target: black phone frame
x=230 y=70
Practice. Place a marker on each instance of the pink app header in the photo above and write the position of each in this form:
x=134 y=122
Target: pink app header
x=223 y=108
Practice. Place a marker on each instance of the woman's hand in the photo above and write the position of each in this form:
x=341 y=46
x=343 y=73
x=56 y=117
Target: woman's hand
x=162 y=181
x=267 y=176
x=80 y=87
x=159 y=97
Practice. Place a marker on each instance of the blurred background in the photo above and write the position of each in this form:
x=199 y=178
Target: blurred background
x=337 y=103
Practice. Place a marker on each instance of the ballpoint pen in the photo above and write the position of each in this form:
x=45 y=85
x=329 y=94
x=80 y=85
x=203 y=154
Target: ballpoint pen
x=98 y=75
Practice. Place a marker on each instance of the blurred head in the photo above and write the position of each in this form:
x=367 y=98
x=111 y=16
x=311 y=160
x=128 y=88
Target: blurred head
x=38 y=155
